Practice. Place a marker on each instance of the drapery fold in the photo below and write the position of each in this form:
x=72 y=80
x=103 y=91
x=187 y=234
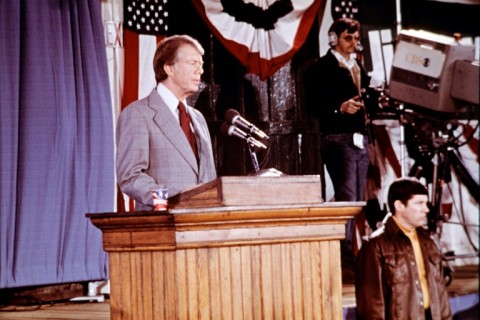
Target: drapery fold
x=263 y=34
x=57 y=158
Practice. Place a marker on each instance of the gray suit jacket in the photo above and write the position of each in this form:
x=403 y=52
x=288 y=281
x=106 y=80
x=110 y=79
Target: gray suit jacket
x=153 y=152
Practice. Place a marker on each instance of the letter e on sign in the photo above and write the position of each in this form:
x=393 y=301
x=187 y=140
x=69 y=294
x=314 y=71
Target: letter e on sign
x=114 y=34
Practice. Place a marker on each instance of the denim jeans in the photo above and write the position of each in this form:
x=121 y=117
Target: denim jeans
x=347 y=165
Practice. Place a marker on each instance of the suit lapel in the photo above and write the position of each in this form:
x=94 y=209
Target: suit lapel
x=167 y=123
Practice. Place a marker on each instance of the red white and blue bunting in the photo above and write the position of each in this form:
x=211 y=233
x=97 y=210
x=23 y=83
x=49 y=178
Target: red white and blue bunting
x=262 y=34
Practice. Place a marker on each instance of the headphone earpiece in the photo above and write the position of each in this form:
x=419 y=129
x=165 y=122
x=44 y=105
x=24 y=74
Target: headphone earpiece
x=332 y=39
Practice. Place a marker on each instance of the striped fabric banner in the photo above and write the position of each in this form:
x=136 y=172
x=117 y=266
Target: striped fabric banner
x=263 y=34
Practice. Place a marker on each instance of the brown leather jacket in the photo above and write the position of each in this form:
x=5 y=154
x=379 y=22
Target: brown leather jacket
x=387 y=284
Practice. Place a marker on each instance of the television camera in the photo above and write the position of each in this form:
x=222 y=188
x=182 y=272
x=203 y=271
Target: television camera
x=437 y=80
x=434 y=72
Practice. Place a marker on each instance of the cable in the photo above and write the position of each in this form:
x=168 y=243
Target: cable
x=461 y=216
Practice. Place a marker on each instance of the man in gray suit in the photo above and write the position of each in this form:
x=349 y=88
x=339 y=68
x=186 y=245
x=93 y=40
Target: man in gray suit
x=152 y=150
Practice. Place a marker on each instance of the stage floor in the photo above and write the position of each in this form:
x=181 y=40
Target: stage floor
x=463 y=294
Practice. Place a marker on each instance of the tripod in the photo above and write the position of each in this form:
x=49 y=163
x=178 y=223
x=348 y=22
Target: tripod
x=438 y=172
x=432 y=144
x=444 y=159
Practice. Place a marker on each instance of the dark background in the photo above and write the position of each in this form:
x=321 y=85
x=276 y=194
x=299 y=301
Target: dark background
x=276 y=104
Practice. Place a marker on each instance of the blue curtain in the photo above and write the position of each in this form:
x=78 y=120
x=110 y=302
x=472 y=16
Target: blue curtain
x=57 y=149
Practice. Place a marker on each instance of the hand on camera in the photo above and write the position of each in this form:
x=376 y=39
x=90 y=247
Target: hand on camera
x=351 y=106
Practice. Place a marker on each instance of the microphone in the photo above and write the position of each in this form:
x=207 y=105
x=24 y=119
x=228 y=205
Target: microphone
x=233 y=117
x=359 y=47
x=231 y=130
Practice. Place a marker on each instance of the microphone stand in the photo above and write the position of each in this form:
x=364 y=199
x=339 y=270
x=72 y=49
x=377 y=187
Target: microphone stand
x=253 y=155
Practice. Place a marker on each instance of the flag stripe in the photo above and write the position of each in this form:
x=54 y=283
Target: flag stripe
x=146 y=74
x=130 y=89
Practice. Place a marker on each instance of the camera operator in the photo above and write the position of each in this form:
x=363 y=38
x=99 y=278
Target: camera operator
x=333 y=87
x=333 y=94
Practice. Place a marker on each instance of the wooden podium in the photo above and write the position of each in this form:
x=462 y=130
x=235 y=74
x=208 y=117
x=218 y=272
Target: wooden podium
x=230 y=249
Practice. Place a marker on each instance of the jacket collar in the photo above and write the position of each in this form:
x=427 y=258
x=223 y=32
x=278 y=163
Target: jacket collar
x=393 y=230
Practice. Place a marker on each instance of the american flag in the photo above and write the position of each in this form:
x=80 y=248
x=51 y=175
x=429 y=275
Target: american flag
x=146 y=16
x=145 y=23
x=345 y=9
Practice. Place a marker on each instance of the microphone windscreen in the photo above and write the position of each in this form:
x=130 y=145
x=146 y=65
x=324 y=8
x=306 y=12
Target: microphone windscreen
x=224 y=129
x=359 y=47
x=230 y=114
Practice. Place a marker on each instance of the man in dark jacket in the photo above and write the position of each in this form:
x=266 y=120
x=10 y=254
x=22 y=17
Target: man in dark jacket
x=333 y=87
x=399 y=273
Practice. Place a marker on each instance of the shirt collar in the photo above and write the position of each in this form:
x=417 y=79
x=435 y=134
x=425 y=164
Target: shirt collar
x=169 y=98
x=348 y=63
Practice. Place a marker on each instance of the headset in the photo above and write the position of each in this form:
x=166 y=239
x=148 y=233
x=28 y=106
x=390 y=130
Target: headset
x=332 y=39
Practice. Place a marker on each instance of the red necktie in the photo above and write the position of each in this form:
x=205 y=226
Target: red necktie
x=186 y=127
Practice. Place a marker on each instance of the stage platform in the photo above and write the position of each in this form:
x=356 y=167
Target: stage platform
x=463 y=291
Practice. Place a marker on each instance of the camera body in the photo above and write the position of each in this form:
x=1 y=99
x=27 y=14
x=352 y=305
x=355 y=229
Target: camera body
x=424 y=69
